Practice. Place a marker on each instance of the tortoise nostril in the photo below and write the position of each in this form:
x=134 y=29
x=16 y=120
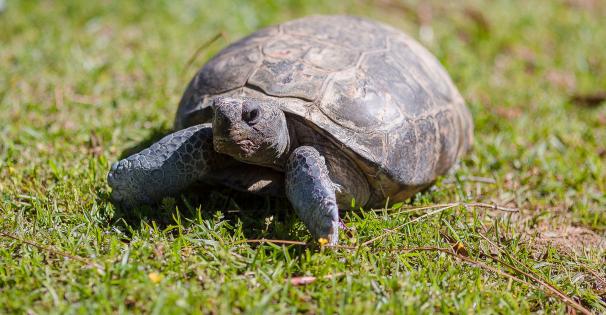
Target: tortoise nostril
x=250 y=117
x=250 y=113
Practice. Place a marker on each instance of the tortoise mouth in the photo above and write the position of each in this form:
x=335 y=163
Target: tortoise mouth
x=238 y=148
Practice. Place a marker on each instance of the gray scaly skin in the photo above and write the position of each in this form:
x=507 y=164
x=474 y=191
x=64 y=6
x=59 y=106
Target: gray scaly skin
x=312 y=193
x=164 y=169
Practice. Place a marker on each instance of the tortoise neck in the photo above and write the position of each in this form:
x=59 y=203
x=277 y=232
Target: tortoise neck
x=279 y=163
x=291 y=143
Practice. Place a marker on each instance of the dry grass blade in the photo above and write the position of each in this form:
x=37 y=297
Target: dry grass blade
x=201 y=48
x=468 y=260
x=443 y=207
x=595 y=274
x=55 y=251
x=393 y=230
x=471 y=204
x=490 y=206
x=550 y=288
x=412 y=209
x=532 y=275
x=478 y=179
x=547 y=288
x=269 y=241
x=289 y=242
x=541 y=284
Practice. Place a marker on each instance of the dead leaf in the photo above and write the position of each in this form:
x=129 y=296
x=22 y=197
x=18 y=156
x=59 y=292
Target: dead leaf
x=159 y=251
x=302 y=280
x=508 y=112
x=561 y=79
x=305 y=280
x=478 y=18
x=590 y=99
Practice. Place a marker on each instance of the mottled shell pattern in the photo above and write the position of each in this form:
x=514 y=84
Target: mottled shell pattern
x=371 y=88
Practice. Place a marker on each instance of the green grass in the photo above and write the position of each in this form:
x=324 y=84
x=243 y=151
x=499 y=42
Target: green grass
x=81 y=82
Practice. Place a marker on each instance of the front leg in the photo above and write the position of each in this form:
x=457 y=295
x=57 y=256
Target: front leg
x=312 y=193
x=164 y=169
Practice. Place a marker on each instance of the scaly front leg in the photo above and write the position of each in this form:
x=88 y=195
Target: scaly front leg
x=164 y=169
x=312 y=193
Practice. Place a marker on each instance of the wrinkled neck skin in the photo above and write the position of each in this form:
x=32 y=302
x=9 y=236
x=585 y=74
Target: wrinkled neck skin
x=288 y=142
x=291 y=143
x=299 y=133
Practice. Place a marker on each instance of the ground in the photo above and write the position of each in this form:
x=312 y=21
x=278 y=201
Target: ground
x=82 y=82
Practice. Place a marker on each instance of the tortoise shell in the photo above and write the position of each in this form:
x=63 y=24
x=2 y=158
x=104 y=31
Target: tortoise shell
x=372 y=89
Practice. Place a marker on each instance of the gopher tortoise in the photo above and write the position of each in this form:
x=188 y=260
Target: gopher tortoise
x=323 y=109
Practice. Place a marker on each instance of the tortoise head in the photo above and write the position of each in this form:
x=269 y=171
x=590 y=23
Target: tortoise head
x=250 y=130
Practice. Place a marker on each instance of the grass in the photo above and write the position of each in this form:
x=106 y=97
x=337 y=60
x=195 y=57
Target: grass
x=83 y=81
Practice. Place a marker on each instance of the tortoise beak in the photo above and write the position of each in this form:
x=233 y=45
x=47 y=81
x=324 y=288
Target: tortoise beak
x=239 y=148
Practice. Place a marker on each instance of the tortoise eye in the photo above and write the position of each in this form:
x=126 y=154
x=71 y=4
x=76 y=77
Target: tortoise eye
x=250 y=113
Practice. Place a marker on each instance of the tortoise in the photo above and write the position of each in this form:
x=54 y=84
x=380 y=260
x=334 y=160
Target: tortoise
x=323 y=109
